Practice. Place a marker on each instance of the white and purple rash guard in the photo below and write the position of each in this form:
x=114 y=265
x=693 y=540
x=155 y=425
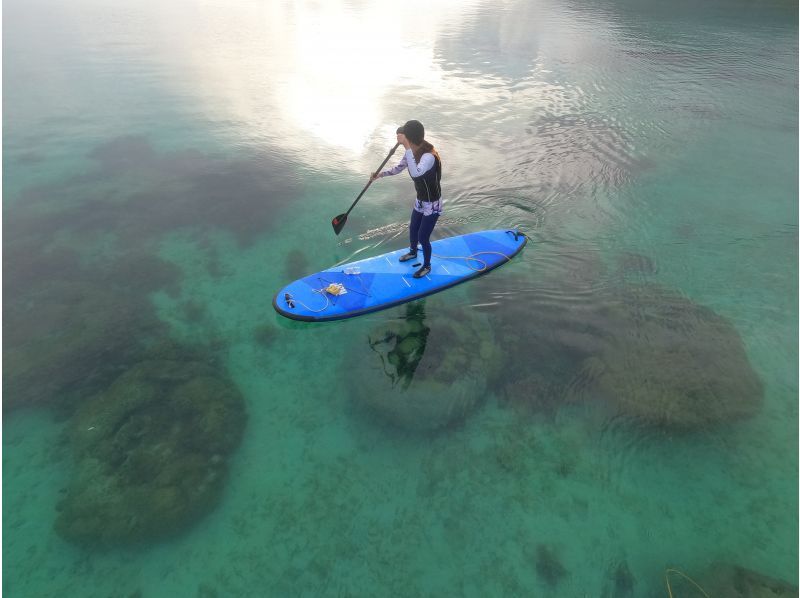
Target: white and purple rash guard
x=426 y=162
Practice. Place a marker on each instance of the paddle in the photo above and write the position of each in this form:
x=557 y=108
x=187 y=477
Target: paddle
x=339 y=221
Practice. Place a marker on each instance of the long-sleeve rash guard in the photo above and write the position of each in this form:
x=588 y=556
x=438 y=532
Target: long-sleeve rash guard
x=426 y=162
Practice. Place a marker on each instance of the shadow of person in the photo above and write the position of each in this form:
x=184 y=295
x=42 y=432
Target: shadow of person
x=423 y=374
x=402 y=347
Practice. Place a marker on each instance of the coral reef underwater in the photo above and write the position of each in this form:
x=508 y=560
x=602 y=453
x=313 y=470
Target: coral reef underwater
x=733 y=581
x=674 y=363
x=647 y=352
x=150 y=453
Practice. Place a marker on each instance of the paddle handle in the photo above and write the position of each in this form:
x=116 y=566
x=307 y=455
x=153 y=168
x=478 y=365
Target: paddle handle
x=364 y=190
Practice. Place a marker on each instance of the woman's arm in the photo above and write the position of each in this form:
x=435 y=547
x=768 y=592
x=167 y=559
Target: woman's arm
x=399 y=167
x=426 y=162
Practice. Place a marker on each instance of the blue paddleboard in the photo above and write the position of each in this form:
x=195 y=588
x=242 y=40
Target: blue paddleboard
x=361 y=287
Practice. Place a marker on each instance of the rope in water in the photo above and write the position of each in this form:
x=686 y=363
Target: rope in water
x=686 y=577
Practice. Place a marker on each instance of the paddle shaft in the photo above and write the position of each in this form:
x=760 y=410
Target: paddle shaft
x=364 y=190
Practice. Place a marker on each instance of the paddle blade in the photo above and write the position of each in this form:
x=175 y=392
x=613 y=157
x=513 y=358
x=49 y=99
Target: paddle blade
x=338 y=223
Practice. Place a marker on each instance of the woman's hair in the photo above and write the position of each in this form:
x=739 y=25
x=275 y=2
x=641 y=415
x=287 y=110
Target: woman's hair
x=424 y=148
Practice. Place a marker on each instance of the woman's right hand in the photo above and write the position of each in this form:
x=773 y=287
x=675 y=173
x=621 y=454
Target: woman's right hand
x=374 y=176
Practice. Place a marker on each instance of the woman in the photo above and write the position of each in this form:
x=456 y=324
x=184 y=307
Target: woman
x=425 y=168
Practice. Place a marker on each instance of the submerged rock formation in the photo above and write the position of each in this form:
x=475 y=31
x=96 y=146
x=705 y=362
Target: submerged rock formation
x=150 y=453
x=732 y=581
x=423 y=375
x=548 y=565
x=649 y=353
x=674 y=363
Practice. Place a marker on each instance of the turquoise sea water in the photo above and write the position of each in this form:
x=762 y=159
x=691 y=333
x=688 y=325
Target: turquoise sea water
x=619 y=400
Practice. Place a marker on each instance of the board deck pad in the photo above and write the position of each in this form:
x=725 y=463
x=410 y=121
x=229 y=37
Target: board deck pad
x=383 y=281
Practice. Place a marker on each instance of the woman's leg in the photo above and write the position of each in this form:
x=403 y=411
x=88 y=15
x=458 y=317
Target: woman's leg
x=413 y=230
x=425 y=230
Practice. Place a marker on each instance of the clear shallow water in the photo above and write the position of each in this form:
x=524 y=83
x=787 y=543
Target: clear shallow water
x=167 y=168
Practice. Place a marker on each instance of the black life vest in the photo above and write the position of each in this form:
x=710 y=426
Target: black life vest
x=428 y=184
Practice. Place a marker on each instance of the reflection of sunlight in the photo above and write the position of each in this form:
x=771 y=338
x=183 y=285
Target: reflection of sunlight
x=344 y=62
x=311 y=77
x=314 y=76
x=342 y=67
x=287 y=71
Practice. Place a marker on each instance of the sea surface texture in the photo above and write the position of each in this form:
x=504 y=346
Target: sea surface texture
x=612 y=414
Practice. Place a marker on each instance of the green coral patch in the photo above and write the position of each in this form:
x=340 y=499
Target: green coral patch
x=150 y=453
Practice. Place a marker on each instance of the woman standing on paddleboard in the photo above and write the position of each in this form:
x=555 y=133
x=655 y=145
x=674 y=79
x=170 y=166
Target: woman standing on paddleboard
x=425 y=168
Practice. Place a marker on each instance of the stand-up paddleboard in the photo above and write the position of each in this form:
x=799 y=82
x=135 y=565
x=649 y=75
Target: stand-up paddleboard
x=361 y=287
